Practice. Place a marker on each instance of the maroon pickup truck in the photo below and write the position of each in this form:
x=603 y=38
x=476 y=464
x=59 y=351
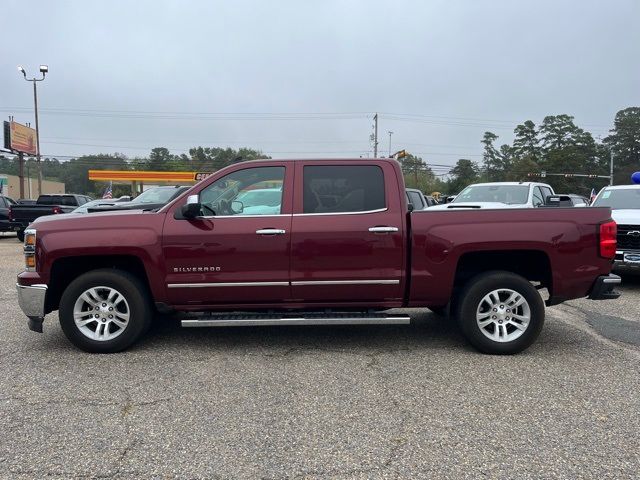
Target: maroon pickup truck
x=312 y=242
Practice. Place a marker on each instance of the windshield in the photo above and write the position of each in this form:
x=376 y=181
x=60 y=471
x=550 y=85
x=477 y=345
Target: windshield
x=155 y=195
x=619 y=199
x=509 y=194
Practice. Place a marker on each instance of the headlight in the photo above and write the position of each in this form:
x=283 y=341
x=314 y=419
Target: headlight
x=30 y=250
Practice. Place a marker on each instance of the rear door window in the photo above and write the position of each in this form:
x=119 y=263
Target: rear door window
x=342 y=188
x=538 y=198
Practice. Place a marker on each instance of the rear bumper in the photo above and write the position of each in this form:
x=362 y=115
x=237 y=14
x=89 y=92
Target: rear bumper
x=603 y=288
x=31 y=299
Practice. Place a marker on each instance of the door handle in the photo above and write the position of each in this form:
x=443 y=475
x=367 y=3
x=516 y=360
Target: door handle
x=271 y=231
x=383 y=229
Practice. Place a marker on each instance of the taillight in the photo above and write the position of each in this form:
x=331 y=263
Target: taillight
x=10 y=215
x=608 y=241
x=56 y=210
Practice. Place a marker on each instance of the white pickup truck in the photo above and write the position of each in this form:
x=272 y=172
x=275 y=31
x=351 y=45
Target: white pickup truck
x=500 y=195
x=624 y=201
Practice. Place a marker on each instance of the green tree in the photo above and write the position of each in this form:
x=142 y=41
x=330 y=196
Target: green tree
x=624 y=143
x=526 y=143
x=464 y=173
x=492 y=161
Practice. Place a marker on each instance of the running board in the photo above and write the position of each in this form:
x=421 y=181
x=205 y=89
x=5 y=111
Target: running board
x=254 y=320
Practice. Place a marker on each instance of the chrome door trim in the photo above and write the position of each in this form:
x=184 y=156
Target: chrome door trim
x=228 y=284
x=340 y=213
x=211 y=217
x=271 y=231
x=344 y=282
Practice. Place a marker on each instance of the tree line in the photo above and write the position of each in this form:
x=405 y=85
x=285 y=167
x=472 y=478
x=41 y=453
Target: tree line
x=557 y=145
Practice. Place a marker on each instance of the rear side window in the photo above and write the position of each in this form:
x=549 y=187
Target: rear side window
x=538 y=199
x=342 y=188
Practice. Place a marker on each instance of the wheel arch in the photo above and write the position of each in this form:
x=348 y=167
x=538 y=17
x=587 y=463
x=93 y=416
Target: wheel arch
x=65 y=270
x=534 y=265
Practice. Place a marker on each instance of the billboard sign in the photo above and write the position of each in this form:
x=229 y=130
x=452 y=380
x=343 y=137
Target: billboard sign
x=20 y=138
x=197 y=176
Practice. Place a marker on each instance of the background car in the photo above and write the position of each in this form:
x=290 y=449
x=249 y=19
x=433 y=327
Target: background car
x=156 y=197
x=500 y=195
x=5 y=204
x=263 y=201
x=416 y=198
x=624 y=201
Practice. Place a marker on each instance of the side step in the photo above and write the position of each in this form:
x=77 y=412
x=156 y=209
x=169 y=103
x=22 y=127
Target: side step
x=310 y=318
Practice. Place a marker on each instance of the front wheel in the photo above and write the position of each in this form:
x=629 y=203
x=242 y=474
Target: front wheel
x=500 y=313
x=105 y=311
x=20 y=234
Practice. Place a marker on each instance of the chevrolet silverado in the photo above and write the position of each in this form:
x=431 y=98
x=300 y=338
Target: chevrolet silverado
x=336 y=244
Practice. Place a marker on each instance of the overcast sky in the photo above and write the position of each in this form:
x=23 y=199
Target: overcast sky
x=303 y=79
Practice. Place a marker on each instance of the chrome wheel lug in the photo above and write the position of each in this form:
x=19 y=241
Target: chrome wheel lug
x=111 y=309
x=110 y=316
x=97 y=316
x=104 y=304
x=495 y=309
x=493 y=317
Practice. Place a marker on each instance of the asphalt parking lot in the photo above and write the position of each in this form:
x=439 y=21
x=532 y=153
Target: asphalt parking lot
x=353 y=402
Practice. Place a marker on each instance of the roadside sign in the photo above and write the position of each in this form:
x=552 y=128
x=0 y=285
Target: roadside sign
x=201 y=175
x=20 y=138
x=543 y=174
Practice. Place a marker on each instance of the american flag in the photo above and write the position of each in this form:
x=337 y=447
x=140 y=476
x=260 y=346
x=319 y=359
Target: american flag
x=108 y=193
x=593 y=195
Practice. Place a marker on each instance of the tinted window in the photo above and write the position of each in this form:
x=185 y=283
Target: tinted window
x=342 y=188
x=252 y=191
x=546 y=191
x=3 y=204
x=416 y=200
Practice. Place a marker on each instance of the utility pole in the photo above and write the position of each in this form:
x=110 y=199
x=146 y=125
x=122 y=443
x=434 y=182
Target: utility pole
x=43 y=70
x=21 y=173
x=611 y=167
x=390 y=133
x=375 y=136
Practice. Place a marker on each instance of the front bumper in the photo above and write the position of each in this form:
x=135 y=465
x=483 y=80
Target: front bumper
x=627 y=258
x=603 y=288
x=31 y=299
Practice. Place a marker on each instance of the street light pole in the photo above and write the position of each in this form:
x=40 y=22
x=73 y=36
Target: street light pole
x=43 y=69
x=611 y=167
x=390 y=133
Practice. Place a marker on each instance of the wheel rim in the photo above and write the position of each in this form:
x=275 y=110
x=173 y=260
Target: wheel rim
x=503 y=315
x=101 y=313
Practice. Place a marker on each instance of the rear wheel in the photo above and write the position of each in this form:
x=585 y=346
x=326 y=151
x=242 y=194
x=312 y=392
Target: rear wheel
x=500 y=313
x=105 y=311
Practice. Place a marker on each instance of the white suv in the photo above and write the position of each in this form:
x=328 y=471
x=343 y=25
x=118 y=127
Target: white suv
x=624 y=201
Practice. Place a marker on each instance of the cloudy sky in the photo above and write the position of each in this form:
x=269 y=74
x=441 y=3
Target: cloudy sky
x=303 y=79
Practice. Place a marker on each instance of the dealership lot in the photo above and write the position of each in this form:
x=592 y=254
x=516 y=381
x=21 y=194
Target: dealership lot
x=352 y=402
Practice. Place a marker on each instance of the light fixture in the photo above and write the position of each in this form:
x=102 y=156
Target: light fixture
x=44 y=68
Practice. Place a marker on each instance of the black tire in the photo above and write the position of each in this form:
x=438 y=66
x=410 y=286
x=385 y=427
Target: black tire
x=137 y=300
x=470 y=301
x=20 y=234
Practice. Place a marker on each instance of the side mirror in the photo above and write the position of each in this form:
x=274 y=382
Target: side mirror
x=237 y=206
x=191 y=209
